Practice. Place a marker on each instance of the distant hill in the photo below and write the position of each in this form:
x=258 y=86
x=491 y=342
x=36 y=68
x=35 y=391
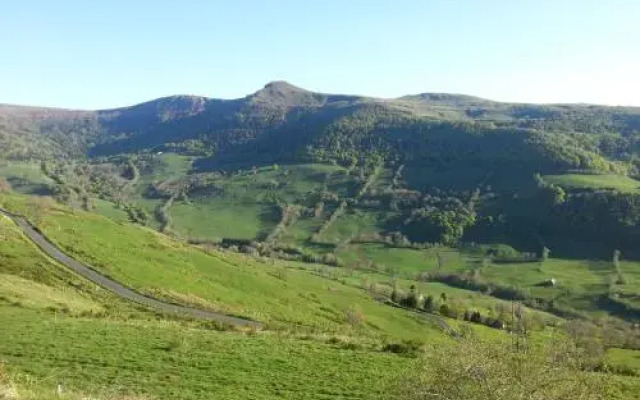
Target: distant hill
x=282 y=121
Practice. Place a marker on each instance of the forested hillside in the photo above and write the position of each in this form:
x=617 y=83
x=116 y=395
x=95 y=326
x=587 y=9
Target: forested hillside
x=459 y=169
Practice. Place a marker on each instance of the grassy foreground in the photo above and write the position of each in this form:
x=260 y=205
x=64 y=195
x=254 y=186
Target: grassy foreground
x=168 y=360
x=59 y=330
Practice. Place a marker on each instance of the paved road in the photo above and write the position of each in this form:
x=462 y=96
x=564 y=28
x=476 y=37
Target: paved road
x=126 y=293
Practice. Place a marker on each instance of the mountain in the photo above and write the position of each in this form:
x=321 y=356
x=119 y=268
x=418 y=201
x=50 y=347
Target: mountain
x=364 y=182
x=285 y=119
x=433 y=141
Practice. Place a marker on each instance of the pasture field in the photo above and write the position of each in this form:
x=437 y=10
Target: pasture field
x=173 y=360
x=215 y=218
x=404 y=261
x=26 y=178
x=109 y=210
x=620 y=183
x=58 y=329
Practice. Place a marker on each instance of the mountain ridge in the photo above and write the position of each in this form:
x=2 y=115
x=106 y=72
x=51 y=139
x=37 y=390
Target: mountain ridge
x=283 y=89
x=282 y=122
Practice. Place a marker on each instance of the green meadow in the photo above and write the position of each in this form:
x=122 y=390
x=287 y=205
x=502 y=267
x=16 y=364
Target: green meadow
x=620 y=183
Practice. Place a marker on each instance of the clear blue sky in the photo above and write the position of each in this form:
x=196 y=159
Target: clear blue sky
x=106 y=53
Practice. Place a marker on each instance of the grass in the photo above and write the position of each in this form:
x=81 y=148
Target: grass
x=109 y=210
x=30 y=279
x=223 y=281
x=403 y=260
x=166 y=166
x=24 y=292
x=220 y=218
x=26 y=178
x=628 y=359
x=47 y=340
x=311 y=351
x=579 y=283
x=352 y=224
x=620 y=183
x=163 y=359
x=166 y=360
x=299 y=233
x=220 y=280
x=244 y=205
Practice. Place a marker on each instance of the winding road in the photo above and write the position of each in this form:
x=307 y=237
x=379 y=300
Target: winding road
x=117 y=288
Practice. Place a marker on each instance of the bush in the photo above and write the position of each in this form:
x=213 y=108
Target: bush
x=476 y=370
x=354 y=316
x=412 y=300
x=407 y=348
x=429 y=304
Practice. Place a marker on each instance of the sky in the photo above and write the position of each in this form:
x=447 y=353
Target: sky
x=109 y=53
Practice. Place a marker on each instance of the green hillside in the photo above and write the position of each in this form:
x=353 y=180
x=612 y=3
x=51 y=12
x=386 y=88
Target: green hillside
x=361 y=231
x=326 y=331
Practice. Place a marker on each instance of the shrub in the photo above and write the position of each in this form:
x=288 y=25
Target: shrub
x=407 y=348
x=354 y=316
x=395 y=296
x=412 y=300
x=476 y=370
x=429 y=304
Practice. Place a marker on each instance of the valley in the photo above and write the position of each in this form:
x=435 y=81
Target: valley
x=354 y=233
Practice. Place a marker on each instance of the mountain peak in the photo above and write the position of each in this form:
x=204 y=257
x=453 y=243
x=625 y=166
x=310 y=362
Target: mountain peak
x=283 y=93
x=283 y=86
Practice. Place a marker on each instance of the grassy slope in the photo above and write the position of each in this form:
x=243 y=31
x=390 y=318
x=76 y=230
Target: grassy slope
x=402 y=260
x=168 y=360
x=109 y=210
x=135 y=354
x=25 y=177
x=353 y=223
x=222 y=281
x=583 y=181
x=580 y=283
x=29 y=279
x=51 y=333
x=244 y=206
x=219 y=218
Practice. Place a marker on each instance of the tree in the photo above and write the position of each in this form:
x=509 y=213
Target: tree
x=395 y=296
x=475 y=317
x=37 y=208
x=476 y=370
x=429 y=304
x=556 y=194
x=412 y=299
